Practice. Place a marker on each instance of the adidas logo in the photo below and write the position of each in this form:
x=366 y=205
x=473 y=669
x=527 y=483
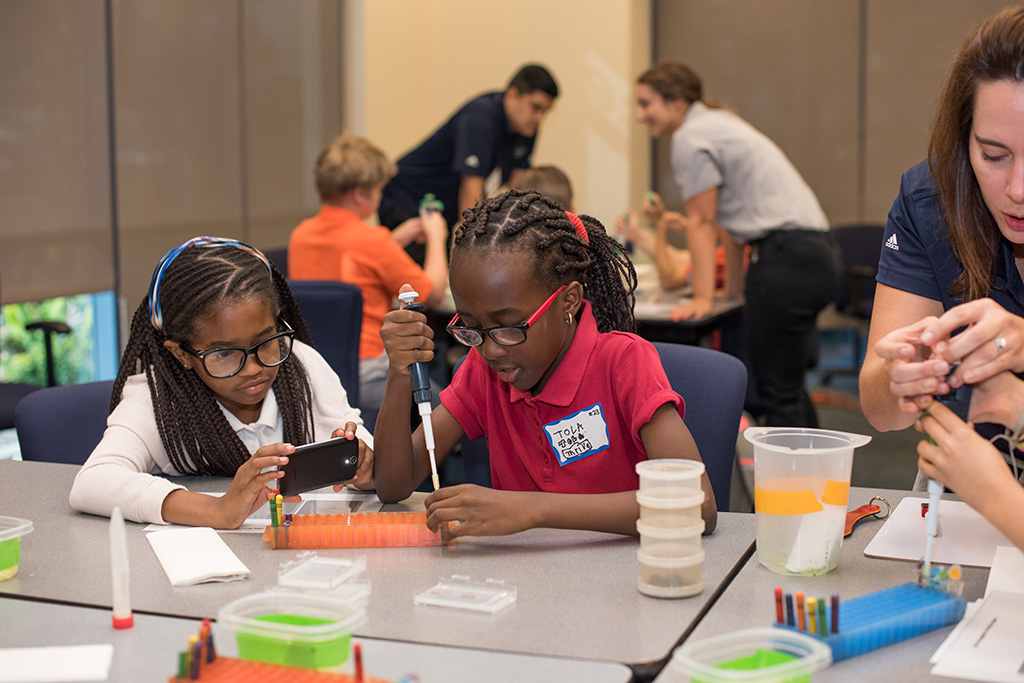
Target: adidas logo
x=891 y=243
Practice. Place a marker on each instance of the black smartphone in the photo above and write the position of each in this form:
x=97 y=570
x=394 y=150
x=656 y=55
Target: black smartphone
x=319 y=464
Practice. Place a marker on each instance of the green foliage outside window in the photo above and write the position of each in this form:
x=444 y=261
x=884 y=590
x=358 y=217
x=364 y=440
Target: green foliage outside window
x=23 y=352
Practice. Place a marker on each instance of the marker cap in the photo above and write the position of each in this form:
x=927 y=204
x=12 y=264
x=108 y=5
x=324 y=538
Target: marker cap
x=123 y=622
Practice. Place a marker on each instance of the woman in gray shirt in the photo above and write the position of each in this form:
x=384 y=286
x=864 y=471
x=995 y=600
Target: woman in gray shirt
x=740 y=188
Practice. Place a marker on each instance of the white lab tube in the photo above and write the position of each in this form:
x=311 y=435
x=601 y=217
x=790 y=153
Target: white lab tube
x=119 y=573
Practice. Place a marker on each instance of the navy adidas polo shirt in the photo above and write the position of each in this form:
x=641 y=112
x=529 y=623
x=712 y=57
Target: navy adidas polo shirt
x=916 y=256
x=475 y=141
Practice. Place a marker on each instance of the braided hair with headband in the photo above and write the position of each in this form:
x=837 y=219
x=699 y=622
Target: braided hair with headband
x=564 y=247
x=191 y=282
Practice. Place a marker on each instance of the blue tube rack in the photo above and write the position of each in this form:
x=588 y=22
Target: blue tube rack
x=885 y=617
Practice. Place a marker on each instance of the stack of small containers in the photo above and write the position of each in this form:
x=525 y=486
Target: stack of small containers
x=670 y=527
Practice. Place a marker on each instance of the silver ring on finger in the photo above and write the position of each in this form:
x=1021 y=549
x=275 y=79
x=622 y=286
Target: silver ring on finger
x=1000 y=343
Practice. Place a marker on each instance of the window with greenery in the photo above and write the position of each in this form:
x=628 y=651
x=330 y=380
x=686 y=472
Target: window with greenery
x=23 y=352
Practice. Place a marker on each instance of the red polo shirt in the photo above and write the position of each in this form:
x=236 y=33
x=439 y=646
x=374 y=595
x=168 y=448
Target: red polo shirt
x=581 y=434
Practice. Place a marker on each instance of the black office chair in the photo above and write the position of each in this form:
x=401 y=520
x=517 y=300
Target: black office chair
x=279 y=257
x=859 y=247
x=333 y=311
x=11 y=393
x=713 y=385
x=63 y=424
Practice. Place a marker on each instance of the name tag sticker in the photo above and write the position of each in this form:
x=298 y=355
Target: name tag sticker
x=578 y=435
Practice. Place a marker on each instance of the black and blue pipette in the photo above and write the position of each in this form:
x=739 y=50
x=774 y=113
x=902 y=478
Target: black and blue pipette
x=421 y=391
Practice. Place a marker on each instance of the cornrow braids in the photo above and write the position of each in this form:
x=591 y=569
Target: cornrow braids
x=192 y=428
x=527 y=221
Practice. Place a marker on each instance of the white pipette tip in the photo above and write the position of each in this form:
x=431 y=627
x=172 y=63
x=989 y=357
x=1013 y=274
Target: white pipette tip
x=931 y=530
x=119 y=574
x=428 y=437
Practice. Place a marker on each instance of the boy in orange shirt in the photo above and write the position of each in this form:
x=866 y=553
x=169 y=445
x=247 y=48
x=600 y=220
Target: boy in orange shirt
x=338 y=244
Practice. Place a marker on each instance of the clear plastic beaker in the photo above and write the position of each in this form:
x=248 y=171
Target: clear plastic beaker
x=801 y=491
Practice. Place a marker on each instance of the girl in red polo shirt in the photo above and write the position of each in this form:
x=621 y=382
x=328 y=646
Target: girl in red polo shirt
x=568 y=397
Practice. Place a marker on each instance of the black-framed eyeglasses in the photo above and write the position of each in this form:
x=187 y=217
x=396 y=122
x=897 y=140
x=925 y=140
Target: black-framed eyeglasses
x=503 y=335
x=227 y=361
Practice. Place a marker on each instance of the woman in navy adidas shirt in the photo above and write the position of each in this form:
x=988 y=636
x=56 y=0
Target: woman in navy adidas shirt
x=955 y=235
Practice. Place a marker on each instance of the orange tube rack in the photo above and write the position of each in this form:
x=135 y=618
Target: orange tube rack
x=376 y=530
x=227 y=670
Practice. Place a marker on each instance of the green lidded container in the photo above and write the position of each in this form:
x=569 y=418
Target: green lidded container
x=11 y=531
x=293 y=628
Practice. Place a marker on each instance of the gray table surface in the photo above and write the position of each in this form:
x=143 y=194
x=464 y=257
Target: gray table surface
x=576 y=591
x=751 y=594
x=148 y=650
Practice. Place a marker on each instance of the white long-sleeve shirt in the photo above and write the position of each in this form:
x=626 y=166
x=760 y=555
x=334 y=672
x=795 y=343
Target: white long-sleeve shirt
x=122 y=469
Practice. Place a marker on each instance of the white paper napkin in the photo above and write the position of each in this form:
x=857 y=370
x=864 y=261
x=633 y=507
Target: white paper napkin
x=196 y=555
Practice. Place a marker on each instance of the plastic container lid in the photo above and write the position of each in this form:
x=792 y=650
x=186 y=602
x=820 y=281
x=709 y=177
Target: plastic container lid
x=671 y=562
x=459 y=592
x=670 y=533
x=13 y=527
x=760 y=654
x=308 y=570
x=670 y=469
x=341 y=615
x=675 y=503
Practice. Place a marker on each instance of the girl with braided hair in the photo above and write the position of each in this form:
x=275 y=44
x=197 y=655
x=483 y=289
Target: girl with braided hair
x=568 y=398
x=219 y=378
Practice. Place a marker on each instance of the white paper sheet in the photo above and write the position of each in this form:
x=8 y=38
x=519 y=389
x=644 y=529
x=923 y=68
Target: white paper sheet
x=196 y=555
x=57 y=664
x=987 y=648
x=312 y=503
x=965 y=537
x=1007 y=575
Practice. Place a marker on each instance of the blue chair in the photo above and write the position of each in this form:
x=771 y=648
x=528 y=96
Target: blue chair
x=279 y=257
x=712 y=383
x=333 y=311
x=63 y=424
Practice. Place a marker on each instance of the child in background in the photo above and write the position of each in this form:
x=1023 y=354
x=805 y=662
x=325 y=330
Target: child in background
x=569 y=400
x=212 y=382
x=337 y=244
x=550 y=181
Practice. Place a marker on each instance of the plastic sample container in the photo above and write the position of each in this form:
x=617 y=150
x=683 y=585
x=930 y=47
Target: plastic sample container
x=11 y=531
x=762 y=654
x=669 y=477
x=801 y=490
x=670 y=577
x=678 y=513
x=669 y=542
x=311 y=631
x=884 y=617
x=376 y=530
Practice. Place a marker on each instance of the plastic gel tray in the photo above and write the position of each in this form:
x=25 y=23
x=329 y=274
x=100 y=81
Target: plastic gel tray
x=377 y=530
x=885 y=617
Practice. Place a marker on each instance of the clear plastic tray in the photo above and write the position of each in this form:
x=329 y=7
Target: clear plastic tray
x=308 y=570
x=459 y=592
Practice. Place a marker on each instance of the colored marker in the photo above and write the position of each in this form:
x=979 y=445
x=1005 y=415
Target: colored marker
x=812 y=626
x=789 y=610
x=801 y=621
x=190 y=656
x=358 y=652
x=822 y=623
x=779 y=617
x=211 y=652
x=197 y=657
x=279 y=503
x=835 y=613
x=119 y=573
x=182 y=665
x=273 y=509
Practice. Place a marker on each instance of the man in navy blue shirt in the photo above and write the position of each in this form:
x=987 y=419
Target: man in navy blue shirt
x=491 y=135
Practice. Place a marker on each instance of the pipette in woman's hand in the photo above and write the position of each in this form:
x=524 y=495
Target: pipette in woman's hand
x=421 y=391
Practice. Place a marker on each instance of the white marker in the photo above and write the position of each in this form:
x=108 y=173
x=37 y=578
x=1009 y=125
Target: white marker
x=119 y=571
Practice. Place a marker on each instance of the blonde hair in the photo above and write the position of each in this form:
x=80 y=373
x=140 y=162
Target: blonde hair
x=550 y=181
x=351 y=162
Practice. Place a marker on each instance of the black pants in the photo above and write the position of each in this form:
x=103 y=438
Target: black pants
x=793 y=274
